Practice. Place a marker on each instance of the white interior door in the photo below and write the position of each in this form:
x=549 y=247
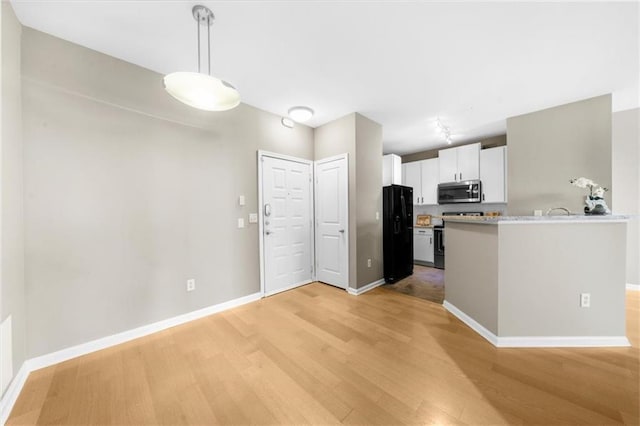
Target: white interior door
x=332 y=221
x=286 y=224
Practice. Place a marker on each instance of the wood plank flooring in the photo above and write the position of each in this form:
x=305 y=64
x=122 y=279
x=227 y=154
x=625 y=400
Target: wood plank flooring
x=425 y=282
x=316 y=355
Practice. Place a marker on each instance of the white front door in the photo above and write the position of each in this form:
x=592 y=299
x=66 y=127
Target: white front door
x=332 y=221
x=286 y=216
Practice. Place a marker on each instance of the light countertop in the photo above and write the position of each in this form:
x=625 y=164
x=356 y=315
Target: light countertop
x=511 y=220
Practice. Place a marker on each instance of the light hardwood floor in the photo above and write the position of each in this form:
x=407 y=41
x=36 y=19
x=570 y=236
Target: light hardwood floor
x=317 y=355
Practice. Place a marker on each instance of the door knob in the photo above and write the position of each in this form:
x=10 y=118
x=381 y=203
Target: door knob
x=267 y=232
x=341 y=231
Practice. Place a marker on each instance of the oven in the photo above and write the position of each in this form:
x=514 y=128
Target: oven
x=438 y=246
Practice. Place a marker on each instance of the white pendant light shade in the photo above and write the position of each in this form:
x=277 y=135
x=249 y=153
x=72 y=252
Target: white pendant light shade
x=202 y=91
x=199 y=90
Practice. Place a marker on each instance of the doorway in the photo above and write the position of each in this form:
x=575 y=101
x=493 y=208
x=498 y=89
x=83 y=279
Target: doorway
x=332 y=221
x=303 y=221
x=285 y=218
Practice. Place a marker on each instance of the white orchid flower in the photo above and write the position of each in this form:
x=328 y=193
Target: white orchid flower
x=583 y=182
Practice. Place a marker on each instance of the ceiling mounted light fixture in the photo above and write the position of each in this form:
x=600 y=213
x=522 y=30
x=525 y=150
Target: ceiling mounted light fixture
x=300 y=114
x=198 y=90
x=444 y=130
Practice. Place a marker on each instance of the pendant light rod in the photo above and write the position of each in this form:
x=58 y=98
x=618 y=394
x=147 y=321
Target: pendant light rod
x=198 y=25
x=203 y=16
x=209 y=42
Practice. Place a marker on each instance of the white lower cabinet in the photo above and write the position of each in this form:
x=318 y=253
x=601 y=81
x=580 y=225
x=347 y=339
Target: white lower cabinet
x=423 y=245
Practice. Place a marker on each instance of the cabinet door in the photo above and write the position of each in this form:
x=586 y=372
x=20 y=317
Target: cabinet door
x=468 y=161
x=448 y=165
x=492 y=174
x=430 y=180
x=430 y=246
x=387 y=170
x=421 y=246
x=413 y=179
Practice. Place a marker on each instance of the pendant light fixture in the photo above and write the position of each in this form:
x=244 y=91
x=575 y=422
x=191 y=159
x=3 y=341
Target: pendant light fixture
x=202 y=91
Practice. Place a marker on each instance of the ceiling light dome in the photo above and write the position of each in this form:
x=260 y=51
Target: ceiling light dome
x=300 y=114
x=198 y=90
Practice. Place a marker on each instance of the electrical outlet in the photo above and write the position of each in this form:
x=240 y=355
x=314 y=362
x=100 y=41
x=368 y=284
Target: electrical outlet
x=585 y=300
x=191 y=284
x=368 y=263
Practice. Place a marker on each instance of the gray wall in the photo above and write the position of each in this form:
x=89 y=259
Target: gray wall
x=369 y=199
x=129 y=193
x=626 y=181
x=12 y=290
x=361 y=138
x=508 y=277
x=471 y=280
x=540 y=296
x=547 y=148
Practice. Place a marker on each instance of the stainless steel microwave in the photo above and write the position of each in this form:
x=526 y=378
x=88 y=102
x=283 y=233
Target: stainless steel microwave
x=469 y=191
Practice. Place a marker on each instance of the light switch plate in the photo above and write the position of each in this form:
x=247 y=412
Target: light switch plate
x=240 y=222
x=241 y=200
x=253 y=217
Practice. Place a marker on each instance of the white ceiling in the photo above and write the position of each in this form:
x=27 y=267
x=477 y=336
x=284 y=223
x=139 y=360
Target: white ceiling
x=402 y=64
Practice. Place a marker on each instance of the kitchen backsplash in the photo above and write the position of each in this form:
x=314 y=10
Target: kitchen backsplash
x=463 y=207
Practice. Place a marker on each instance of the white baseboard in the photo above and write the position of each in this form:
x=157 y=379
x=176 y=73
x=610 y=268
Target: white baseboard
x=473 y=324
x=14 y=389
x=537 y=341
x=370 y=286
x=563 y=342
x=633 y=287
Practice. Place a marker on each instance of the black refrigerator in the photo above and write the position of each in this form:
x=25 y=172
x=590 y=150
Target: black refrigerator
x=397 y=232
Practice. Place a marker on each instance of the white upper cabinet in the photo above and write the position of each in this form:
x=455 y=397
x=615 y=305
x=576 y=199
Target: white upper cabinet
x=413 y=178
x=459 y=163
x=493 y=169
x=430 y=179
x=422 y=176
x=391 y=170
x=448 y=170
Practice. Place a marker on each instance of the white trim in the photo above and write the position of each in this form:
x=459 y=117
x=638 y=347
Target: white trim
x=537 y=341
x=563 y=342
x=473 y=324
x=280 y=290
x=145 y=330
x=15 y=387
x=333 y=158
x=13 y=391
x=370 y=286
x=633 y=287
x=262 y=153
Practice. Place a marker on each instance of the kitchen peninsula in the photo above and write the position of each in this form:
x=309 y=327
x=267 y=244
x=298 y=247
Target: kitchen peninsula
x=521 y=281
